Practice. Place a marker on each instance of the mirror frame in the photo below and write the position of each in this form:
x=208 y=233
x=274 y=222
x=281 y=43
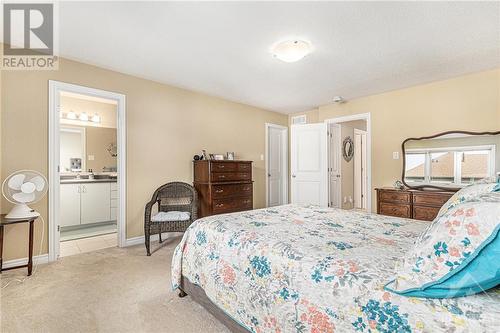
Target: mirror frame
x=434 y=187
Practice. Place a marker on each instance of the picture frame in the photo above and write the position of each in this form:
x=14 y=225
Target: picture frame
x=211 y=156
x=218 y=157
x=230 y=155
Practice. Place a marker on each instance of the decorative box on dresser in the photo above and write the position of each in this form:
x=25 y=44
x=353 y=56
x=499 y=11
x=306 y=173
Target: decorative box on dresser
x=223 y=186
x=412 y=204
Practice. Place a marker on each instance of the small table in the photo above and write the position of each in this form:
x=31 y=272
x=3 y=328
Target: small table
x=3 y=222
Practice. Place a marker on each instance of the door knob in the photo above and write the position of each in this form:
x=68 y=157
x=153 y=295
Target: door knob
x=293 y=176
x=269 y=175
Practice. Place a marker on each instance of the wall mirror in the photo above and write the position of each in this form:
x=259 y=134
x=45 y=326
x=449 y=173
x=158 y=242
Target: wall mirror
x=450 y=160
x=348 y=149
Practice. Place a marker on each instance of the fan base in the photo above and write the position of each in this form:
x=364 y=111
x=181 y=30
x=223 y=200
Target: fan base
x=21 y=211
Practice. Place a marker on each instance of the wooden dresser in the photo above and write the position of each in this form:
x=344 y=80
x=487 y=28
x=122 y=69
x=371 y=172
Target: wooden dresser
x=412 y=204
x=223 y=186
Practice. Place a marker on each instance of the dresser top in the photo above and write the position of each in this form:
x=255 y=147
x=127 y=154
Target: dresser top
x=412 y=190
x=223 y=161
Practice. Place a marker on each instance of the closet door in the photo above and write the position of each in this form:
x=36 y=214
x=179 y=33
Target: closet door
x=309 y=183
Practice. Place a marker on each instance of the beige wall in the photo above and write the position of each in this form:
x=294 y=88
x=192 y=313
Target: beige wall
x=166 y=126
x=470 y=102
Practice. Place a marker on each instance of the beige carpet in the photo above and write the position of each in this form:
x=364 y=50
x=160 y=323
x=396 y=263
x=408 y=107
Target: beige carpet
x=110 y=290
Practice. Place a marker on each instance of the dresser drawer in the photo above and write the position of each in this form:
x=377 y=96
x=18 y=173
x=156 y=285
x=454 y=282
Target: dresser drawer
x=425 y=213
x=228 y=205
x=237 y=190
x=395 y=196
x=230 y=176
x=434 y=200
x=224 y=166
x=395 y=210
x=246 y=167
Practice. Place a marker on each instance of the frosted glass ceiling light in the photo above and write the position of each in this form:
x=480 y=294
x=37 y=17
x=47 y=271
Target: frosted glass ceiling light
x=291 y=50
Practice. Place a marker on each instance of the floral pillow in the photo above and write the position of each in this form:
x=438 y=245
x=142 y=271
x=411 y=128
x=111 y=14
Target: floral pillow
x=466 y=194
x=457 y=255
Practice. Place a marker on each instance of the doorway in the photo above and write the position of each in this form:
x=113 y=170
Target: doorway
x=349 y=162
x=86 y=169
x=276 y=165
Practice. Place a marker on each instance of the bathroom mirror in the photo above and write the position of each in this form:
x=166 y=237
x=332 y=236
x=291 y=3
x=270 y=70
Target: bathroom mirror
x=450 y=160
x=87 y=147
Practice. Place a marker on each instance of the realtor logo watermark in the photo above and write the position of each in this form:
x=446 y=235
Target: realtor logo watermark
x=29 y=36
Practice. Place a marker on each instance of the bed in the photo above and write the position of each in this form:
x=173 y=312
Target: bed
x=308 y=269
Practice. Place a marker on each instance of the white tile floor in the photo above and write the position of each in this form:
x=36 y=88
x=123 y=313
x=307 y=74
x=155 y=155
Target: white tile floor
x=69 y=248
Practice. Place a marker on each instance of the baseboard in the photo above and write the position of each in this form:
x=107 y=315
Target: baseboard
x=41 y=259
x=140 y=239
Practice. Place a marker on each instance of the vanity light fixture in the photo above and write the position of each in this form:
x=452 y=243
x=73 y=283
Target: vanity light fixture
x=84 y=116
x=71 y=115
x=96 y=118
x=291 y=50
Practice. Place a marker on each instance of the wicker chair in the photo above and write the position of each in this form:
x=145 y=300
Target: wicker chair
x=175 y=196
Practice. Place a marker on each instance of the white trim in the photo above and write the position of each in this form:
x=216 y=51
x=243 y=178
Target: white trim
x=55 y=88
x=367 y=118
x=140 y=239
x=37 y=260
x=284 y=170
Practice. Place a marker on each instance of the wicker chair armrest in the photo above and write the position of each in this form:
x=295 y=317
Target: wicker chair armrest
x=147 y=210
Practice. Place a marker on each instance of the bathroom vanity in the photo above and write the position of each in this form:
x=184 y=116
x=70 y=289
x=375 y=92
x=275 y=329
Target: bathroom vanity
x=88 y=201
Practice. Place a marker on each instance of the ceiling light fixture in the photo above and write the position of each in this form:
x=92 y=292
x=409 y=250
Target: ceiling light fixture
x=291 y=50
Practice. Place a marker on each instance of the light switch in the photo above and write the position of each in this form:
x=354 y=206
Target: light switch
x=261 y=157
x=91 y=157
x=395 y=155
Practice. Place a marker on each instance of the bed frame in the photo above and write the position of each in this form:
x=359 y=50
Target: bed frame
x=199 y=296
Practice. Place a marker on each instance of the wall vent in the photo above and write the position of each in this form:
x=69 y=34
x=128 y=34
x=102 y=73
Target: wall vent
x=299 y=120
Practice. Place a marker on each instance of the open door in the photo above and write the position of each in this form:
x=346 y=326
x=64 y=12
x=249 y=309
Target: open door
x=360 y=177
x=309 y=183
x=335 y=174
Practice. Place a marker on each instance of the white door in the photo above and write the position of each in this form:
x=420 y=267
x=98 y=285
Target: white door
x=276 y=165
x=335 y=166
x=309 y=183
x=360 y=175
x=96 y=203
x=69 y=205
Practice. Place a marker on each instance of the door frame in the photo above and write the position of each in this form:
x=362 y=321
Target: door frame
x=55 y=88
x=284 y=168
x=367 y=118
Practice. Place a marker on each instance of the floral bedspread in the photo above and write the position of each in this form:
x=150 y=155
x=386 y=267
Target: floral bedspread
x=308 y=269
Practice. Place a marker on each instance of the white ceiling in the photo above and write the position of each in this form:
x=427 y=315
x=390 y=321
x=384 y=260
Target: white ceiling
x=222 y=49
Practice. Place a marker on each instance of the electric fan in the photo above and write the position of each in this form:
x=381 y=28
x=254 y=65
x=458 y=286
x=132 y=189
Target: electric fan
x=22 y=188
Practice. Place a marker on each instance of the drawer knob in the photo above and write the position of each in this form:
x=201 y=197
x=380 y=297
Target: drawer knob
x=222 y=176
x=246 y=201
x=219 y=191
x=219 y=205
x=221 y=166
x=246 y=189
